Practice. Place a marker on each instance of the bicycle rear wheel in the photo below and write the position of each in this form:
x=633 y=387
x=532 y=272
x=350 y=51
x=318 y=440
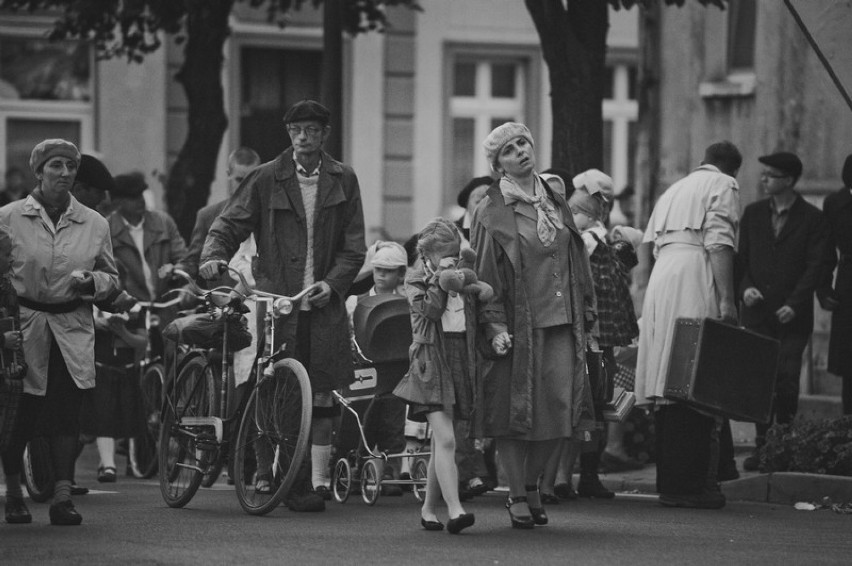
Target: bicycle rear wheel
x=38 y=470
x=273 y=437
x=183 y=452
x=142 y=451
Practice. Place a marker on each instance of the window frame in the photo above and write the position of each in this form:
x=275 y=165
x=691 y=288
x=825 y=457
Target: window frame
x=83 y=113
x=528 y=80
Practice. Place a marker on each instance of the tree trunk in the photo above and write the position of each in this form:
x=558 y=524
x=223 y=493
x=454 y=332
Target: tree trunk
x=573 y=43
x=648 y=126
x=331 y=87
x=200 y=75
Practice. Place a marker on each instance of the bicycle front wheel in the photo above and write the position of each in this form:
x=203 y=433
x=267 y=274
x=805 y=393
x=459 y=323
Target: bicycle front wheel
x=183 y=459
x=273 y=437
x=142 y=451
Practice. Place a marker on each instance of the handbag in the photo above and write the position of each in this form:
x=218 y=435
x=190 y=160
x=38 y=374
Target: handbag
x=599 y=379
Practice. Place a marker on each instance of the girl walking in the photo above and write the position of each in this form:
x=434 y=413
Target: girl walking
x=438 y=384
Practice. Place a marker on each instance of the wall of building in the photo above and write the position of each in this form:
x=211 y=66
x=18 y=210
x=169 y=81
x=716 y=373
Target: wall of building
x=788 y=104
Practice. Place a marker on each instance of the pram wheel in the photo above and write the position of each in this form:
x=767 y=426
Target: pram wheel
x=418 y=474
x=342 y=480
x=370 y=480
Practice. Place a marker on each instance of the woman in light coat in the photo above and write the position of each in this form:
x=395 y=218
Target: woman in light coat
x=61 y=262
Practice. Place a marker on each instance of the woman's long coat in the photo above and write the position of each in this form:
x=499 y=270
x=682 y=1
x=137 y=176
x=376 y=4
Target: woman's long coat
x=494 y=236
x=268 y=204
x=838 y=210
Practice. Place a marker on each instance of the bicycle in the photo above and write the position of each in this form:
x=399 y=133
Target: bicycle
x=272 y=423
x=142 y=451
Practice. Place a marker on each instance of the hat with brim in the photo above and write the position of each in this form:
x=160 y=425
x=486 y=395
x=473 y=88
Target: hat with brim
x=595 y=182
x=389 y=255
x=95 y=174
x=788 y=163
x=476 y=182
x=129 y=185
x=51 y=148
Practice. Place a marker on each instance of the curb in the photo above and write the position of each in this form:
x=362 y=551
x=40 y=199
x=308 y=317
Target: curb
x=779 y=487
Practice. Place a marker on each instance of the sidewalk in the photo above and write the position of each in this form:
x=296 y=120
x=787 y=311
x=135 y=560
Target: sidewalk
x=779 y=488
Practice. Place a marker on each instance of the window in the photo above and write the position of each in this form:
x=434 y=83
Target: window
x=272 y=80
x=485 y=92
x=45 y=92
x=620 y=111
x=742 y=21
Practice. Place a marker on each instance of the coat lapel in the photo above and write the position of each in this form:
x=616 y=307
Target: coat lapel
x=794 y=215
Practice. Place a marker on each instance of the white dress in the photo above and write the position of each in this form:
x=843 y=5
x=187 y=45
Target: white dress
x=694 y=216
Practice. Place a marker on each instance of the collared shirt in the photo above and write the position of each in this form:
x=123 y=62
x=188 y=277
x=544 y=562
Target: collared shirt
x=304 y=172
x=137 y=232
x=779 y=216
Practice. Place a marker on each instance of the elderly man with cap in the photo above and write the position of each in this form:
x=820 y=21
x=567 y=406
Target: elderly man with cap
x=838 y=212
x=61 y=261
x=146 y=243
x=780 y=263
x=305 y=211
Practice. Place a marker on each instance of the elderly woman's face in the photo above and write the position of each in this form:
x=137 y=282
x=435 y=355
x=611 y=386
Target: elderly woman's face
x=57 y=176
x=516 y=158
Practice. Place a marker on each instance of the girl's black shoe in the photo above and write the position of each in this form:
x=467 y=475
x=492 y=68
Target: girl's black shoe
x=539 y=515
x=432 y=525
x=463 y=521
x=519 y=521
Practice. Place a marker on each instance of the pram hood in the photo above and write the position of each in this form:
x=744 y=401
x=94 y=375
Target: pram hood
x=383 y=327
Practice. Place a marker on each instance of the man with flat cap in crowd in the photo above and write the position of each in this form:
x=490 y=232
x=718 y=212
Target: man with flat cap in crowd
x=780 y=263
x=304 y=209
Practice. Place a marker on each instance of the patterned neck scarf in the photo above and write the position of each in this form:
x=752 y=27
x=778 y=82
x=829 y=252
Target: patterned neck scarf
x=549 y=219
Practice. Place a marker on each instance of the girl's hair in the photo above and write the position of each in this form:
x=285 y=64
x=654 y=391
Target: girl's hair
x=438 y=234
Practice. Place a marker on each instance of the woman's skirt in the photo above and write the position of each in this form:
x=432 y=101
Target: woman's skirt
x=114 y=407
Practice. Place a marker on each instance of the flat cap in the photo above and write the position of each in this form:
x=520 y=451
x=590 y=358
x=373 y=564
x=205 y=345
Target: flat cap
x=784 y=161
x=389 y=255
x=95 y=174
x=129 y=185
x=50 y=148
x=305 y=110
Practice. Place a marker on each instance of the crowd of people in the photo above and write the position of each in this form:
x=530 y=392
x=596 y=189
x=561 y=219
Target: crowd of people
x=521 y=365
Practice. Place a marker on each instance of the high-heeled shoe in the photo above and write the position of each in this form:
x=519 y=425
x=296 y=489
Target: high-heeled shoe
x=539 y=515
x=432 y=525
x=519 y=521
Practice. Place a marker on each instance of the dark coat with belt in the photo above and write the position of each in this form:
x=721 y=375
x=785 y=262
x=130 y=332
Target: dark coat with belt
x=162 y=242
x=494 y=236
x=786 y=269
x=268 y=203
x=838 y=212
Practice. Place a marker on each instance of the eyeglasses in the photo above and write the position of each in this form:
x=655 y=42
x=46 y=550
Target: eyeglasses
x=310 y=131
x=766 y=175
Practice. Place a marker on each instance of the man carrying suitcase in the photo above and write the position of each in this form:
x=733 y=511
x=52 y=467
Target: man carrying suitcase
x=780 y=262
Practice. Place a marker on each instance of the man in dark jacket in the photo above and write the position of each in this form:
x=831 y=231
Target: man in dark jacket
x=838 y=212
x=304 y=209
x=781 y=261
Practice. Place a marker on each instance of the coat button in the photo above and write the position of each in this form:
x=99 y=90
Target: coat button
x=294 y=259
x=558 y=293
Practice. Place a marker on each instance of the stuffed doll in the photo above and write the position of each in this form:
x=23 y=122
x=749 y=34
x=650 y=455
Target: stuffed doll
x=463 y=279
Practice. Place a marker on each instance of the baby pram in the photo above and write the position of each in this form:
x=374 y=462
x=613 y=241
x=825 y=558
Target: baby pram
x=382 y=336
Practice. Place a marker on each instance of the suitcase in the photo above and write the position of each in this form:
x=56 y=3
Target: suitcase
x=722 y=369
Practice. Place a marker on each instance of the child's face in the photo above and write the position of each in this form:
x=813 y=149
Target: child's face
x=583 y=220
x=436 y=255
x=386 y=279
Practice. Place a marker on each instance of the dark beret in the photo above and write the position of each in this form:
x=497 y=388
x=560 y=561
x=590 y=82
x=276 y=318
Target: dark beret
x=847 y=171
x=305 y=110
x=129 y=185
x=784 y=161
x=95 y=174
x=464 y=195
